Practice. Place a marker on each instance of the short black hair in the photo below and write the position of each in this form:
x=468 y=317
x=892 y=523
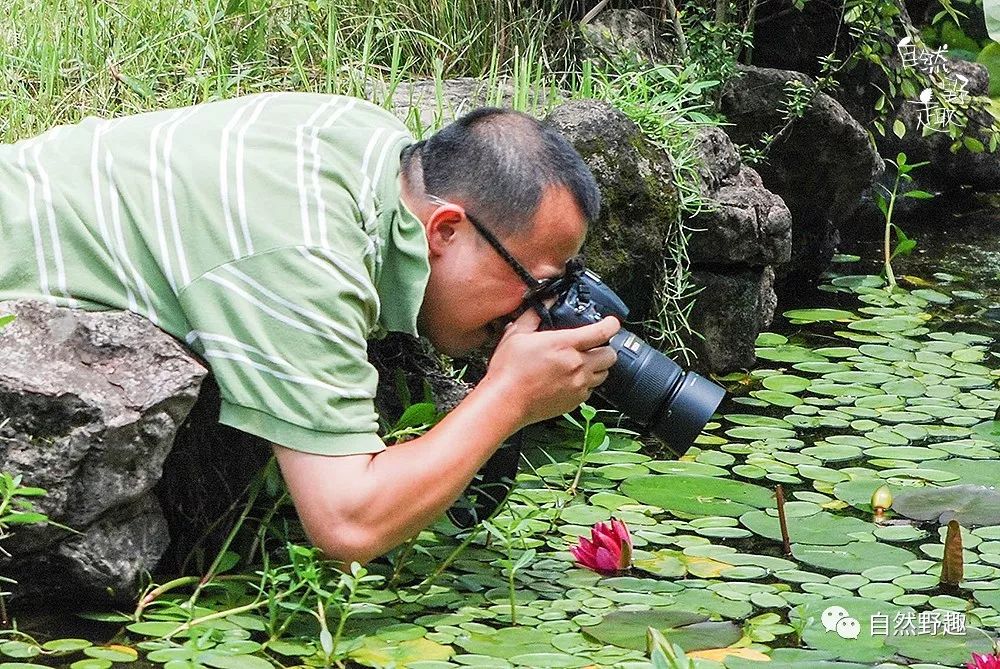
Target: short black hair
x=499 y=162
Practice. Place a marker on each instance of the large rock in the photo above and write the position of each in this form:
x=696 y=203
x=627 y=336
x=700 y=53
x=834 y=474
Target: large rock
x=820 y=165
x=731 y=309
x=628 y=244
x=743 y=223
x=946 y=170
x=624 y=33
x=743 y=233
x=92 y=403
x=792 y=38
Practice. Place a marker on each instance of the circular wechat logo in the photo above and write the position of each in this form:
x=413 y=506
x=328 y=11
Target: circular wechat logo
x=837 y=619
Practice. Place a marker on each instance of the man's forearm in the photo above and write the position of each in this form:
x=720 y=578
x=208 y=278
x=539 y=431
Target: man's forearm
x=411 y=484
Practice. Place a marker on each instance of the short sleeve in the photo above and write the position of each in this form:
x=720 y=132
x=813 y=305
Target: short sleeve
x=284 y=332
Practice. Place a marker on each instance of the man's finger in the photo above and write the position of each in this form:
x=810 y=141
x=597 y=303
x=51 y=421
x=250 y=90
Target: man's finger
x=601 y=357
x=587 y=337
x=526 y=322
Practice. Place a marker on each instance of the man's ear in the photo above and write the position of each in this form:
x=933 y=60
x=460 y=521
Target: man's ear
x=442 y=226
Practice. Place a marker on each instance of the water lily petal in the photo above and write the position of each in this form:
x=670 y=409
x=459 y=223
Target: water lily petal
x=621 y=531
x=606 y=561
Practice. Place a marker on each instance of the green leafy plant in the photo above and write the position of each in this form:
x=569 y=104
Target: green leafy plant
x=415 y=421
x=16 y=508
x=666 y=655
x=886 y=201
x=512 y=531
x=595 y=439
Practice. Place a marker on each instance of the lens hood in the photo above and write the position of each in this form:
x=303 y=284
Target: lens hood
x=684 y=416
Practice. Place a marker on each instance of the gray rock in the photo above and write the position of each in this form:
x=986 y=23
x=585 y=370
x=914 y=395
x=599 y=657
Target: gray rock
x=729 y=308
x=93 y=401
x=615 y=34
x=820 y=165
x=745 y=224
x=627 y=246
x=946 y=171
x=432 y=104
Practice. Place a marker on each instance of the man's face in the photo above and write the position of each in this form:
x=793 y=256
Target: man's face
x=472 y=289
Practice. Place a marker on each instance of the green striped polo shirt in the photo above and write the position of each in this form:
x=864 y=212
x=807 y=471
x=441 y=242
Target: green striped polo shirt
x=266 y=232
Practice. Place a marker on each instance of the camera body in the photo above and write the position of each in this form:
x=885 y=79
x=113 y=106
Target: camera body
x=671 y=404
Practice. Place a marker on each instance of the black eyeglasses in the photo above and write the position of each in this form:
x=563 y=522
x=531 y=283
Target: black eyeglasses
x=538 y=289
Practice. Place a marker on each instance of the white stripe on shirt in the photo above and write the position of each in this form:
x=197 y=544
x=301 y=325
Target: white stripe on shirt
x=241 y=195
x=300 y=167
x=100 y=129
x=320 y=204
x=342 y=392
x=154 y=155
x=312 y=315
x=298 y=325
x=168 y=148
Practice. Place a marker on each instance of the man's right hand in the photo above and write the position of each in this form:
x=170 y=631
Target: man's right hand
x=548 y=373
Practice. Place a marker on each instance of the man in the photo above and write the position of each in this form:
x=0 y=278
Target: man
x=275 y=234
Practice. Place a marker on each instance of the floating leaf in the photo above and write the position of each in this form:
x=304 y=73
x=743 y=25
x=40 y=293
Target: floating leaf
x=969 y=504
x=823 y=528
x=786 y=383
x=819 y=315
x=789 y=353
x=851 y=558
x=694 y=495
x=691 y=631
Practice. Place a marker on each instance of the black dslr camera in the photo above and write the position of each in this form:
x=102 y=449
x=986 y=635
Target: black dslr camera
x=647 y=386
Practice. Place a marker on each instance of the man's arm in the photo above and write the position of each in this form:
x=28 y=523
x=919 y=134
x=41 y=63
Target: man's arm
x=357 y=507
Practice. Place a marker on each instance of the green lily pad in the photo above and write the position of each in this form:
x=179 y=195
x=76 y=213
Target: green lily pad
x=788 y=383
x=820 y=529
x=505 y=642
x=788 y=353
x=770 y=339
x=754 y=420
x=885 y=325
x=627 y=629
x=887 y=353
x=851 y=558
x=833 y=452
x=759 y=433
x=819 y=315
x=914 y=453
x=375 y=652
x=970 y=505
x=695 y=496
x=777 y=398
x=867 y=378
x=973 y=472
x=686 y=467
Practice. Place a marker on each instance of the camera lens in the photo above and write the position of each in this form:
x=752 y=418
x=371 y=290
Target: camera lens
x=670 y=403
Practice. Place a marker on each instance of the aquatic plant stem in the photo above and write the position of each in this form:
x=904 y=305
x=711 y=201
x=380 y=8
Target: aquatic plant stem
x=183 y=627
x=155 y=593
x=427 y=582
x=513 y=596
x=887 y=250
x=400 y=562
x=583 y=459
x=786 y=544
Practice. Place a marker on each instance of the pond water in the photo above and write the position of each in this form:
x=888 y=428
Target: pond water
x=871 y=388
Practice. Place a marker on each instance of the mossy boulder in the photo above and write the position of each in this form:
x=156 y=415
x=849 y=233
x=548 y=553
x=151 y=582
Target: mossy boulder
x=628 y=246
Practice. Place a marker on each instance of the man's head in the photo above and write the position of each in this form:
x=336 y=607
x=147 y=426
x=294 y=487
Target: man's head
x=526 y=185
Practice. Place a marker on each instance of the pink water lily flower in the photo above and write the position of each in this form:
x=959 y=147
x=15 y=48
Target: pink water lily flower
x=983 y=662
x=609 y=549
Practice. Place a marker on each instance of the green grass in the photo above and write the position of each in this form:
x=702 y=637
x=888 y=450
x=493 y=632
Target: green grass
x=61 y=60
